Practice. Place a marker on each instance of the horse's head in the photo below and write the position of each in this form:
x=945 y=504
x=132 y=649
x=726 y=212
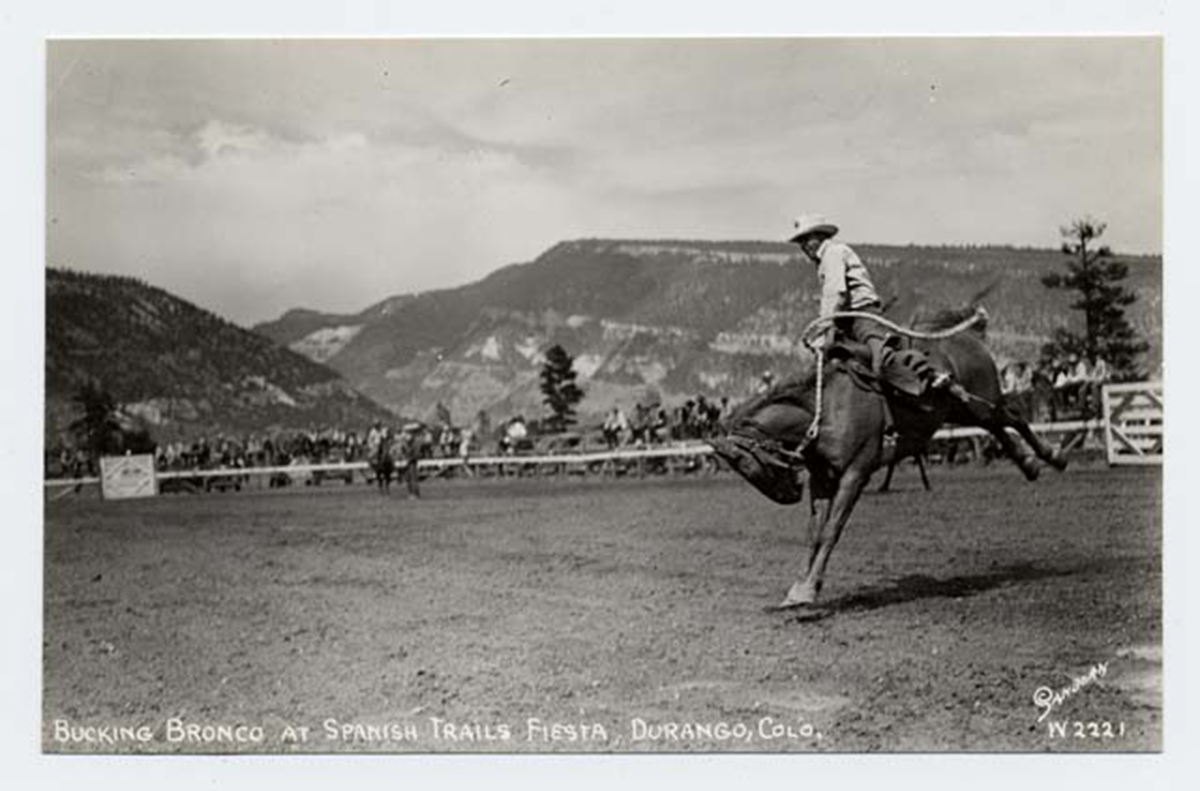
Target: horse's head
x=783 y=412
x=759 y=432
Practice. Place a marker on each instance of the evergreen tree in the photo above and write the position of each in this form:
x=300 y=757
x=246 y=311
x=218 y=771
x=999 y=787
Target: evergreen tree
x=559 y=391
x=97 y=430
x=1096 y=276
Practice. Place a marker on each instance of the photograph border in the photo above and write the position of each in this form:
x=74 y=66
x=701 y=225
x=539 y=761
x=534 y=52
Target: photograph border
x=24 y=244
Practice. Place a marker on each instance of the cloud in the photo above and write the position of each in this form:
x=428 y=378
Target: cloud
x=149 y=171
x=217 y=138
x=256 y=176
x=229 y=204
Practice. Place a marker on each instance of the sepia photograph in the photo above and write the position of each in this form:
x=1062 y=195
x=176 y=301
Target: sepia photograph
x=603 y=395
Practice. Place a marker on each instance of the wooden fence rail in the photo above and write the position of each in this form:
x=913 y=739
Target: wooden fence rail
x=1072 y=432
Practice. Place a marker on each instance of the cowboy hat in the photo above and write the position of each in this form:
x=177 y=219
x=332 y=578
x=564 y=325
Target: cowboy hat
x=809 y=224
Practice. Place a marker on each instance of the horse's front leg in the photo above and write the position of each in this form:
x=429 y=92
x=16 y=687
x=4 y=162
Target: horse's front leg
x=816 y=521
x=828 y=519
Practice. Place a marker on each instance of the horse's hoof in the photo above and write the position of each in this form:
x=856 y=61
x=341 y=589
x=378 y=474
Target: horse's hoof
x=799 y=596
x=1030 y=469
x=1059 y=460
x=789 y=604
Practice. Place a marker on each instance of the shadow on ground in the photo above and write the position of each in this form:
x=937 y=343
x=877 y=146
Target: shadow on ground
x=922 y=586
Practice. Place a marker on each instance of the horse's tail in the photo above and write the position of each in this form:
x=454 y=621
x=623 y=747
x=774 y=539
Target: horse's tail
x=975 y=305
x=944 y=319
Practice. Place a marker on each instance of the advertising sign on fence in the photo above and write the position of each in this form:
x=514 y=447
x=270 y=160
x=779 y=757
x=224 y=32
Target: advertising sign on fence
x=123 y=477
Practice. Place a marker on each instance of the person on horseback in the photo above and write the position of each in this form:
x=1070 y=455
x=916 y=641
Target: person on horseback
x=845 y=286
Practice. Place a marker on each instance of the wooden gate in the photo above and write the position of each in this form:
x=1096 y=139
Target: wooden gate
x=1133 y=423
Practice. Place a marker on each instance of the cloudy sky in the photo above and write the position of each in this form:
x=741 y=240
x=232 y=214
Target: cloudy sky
x=256 y=176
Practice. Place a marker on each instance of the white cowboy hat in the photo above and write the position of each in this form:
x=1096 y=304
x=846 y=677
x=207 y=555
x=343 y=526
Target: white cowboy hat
x=808 y=224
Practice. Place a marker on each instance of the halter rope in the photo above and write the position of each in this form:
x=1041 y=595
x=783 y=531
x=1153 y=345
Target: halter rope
x=819 y=327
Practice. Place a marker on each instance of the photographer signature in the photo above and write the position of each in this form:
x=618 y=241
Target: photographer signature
x=1048 y=699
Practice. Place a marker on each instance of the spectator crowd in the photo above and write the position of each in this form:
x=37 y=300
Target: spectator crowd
x=1070 y=388
x=645 y=425
x=654 y=424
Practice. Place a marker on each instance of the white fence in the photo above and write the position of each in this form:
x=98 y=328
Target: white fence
x=1133 y=422
x=1131 y=427
x=471 y=464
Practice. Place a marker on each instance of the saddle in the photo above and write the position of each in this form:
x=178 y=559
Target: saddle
x=905 y=382
x=906 y=371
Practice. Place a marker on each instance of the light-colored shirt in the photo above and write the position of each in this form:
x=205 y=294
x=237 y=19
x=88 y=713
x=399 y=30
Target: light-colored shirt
x=616 y=421
x=845 y=283
x=1011 y=380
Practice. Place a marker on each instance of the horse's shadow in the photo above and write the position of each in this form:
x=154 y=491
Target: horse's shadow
x=921 y=586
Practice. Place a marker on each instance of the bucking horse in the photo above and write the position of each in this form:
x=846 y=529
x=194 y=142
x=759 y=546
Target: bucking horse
x=832 y=422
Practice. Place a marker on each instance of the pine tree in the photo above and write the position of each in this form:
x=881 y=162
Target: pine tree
x=97 y=429
x=559 y=391
x=1096 y=276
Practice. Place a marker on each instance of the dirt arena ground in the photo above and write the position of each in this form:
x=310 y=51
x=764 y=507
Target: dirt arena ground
x=598 y=616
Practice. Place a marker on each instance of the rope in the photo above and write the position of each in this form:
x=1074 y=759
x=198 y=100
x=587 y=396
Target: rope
x=811 y=434
x=820 y=326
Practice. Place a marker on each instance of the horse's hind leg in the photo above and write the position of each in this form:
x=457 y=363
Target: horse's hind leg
x=1051 y=456
x=1027 y=464
x=996 y=420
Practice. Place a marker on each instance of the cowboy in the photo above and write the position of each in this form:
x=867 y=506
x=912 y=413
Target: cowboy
x=845 y=285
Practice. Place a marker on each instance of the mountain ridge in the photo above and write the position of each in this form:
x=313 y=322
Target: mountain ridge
x=179 y=368
x=664 y=319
